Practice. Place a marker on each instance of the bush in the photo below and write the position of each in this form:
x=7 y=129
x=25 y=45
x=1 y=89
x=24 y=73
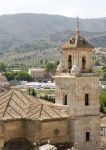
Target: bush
x=102 y=99
x=48 y=98
x=2 y=67
x=20 y=76
x=33 y=93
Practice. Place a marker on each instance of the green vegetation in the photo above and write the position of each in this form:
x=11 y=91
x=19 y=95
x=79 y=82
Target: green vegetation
x=20 y=75
x=21 y=72
x=51 y=67
x=103 y=74
x=102 y=99
x=45 y=94
x=48 y=98
x=2 y=67
x=33 y=93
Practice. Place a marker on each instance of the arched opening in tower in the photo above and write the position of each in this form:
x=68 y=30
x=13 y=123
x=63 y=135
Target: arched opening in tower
x=69 y=62
x=84 y=63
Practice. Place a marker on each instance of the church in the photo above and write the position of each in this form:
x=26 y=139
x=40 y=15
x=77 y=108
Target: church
x=74 y=119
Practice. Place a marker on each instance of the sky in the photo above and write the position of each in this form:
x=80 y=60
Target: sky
x=69 y=8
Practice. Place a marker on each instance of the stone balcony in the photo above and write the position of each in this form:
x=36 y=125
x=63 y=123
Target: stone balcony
x=64 y=74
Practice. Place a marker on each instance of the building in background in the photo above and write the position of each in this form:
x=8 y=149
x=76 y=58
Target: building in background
x=37 y=73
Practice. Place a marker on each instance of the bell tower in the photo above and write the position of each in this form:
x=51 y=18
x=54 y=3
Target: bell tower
x=77 y=86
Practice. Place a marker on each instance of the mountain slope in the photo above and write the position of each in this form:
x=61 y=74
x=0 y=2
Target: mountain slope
x=31 y=26
x=31 y=38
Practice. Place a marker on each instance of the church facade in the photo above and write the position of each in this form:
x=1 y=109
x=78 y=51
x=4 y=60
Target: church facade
x=73 y=120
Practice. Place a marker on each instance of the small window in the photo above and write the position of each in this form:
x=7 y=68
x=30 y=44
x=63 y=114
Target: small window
x=86 y=99
x=65 y=100
x=87 y=136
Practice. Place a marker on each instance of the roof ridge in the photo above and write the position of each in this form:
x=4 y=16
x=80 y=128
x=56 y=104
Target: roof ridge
x=26 y=110
x=8 y=103
x=46 y=111
x=41 y=110
x=55 y=111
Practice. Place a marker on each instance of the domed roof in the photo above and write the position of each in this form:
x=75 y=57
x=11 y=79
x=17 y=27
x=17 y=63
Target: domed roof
x=77 y=40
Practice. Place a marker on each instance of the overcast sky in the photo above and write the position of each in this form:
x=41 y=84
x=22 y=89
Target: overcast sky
x=70 y=8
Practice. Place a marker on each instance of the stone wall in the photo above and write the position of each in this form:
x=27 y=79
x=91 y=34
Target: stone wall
x=55 y=130
x=38 y=131
x=82 y=125
x=75 y=88
x=13 y=129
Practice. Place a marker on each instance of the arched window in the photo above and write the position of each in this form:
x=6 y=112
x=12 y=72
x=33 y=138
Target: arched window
x=83 y=62
x=69 y=62
x=65 y=100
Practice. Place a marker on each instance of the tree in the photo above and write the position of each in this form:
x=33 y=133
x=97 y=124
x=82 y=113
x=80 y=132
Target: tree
x=97 y=62
x=51 y=67
x=21 y=75
x=104 y=76
x=9 y=75
x=102 y=99
x=2 y=67
x=41 y=61
x=33 y=93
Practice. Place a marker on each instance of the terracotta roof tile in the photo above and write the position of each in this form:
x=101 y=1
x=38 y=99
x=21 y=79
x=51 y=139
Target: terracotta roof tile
x=14 y=104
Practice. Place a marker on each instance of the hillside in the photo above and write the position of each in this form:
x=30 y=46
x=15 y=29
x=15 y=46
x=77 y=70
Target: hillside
x=25 y=38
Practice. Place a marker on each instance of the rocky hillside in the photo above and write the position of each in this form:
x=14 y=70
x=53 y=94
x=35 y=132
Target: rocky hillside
x=24 y=38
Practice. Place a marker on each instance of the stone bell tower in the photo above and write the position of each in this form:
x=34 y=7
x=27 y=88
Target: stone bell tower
x=77 y=86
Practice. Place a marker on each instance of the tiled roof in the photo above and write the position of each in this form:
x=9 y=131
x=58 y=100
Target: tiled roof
x=14 y=104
